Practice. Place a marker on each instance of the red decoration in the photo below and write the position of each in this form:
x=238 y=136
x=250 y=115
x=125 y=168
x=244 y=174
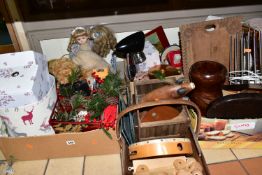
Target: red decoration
x=109 y=116
x=174 y=58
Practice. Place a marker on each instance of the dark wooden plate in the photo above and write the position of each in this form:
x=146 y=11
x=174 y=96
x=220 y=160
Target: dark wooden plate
x=236 y=106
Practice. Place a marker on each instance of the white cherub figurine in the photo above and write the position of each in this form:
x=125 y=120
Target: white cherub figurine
x=81 y=53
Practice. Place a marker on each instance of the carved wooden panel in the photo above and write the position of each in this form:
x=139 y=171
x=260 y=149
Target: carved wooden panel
x=208 y=40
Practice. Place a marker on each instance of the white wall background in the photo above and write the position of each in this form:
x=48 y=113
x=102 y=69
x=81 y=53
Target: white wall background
x=51 y=36
x=56 y=48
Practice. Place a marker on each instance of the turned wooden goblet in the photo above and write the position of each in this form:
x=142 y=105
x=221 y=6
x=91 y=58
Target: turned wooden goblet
x=209 y=77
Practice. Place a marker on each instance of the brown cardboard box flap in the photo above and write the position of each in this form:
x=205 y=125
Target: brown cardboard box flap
x=89 y=143
x=208 y=40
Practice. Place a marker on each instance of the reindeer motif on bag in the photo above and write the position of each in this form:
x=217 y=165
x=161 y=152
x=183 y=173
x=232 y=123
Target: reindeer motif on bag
x=45 y=126
x=28 y=117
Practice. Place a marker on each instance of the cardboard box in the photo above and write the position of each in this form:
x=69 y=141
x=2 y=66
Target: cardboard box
x=26 y=114
x=89 y=143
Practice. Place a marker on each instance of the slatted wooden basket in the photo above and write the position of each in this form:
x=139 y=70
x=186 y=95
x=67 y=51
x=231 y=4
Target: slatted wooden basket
x=178 y=127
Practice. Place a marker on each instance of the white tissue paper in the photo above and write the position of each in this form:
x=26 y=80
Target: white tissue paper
x=152 y=58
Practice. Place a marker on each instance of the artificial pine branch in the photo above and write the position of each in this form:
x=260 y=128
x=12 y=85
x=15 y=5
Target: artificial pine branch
x=74 y=76
x=67 y=90
x=159 y=75
x=111 y=85
x=77 y=101
x=61 y=116
x=107 y=133
x=97 y=104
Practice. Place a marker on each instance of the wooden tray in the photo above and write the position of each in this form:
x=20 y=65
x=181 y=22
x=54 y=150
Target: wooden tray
x=236 y=106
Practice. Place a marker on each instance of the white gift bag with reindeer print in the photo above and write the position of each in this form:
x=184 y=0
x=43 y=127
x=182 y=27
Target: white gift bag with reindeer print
x=31 y=119
x=27 y=95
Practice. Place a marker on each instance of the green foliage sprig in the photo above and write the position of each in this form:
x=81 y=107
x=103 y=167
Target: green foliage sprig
x=67 y=90
x=111 y=85
x=96 y=104
x=159 y=75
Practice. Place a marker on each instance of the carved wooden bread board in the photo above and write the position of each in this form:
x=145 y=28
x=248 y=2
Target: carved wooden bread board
x=208 y=40
x=164 y=164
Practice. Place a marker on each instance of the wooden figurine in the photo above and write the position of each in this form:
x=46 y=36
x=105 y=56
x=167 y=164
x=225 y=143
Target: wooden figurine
x=168 y=92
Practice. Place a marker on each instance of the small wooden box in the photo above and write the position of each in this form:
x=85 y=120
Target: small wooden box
x=145 y=86
x=174 y=127
x=160 y=129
